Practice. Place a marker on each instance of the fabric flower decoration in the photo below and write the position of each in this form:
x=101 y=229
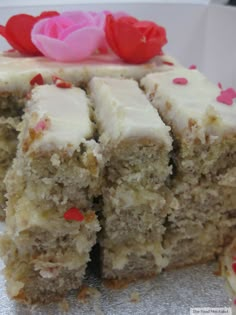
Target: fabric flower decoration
x=72 y=36
x=18 y=31
x=134 y=41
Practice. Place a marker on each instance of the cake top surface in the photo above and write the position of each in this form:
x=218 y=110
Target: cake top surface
x=17 y=71
x=185 y=98
x=124 y=112
x=58 y=118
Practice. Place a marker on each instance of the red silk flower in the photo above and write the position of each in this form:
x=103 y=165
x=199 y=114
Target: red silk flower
x=18 y=31
x=134 y=41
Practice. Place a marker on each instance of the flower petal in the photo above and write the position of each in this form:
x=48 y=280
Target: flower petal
x=51 y=47
x=48 y=14
x=109 y=31
x=18 y=29
x=85 y=41
x=128 y=38
x=79 y=17
x=77 y=46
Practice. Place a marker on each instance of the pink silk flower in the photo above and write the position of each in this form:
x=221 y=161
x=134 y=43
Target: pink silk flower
x=71 y=36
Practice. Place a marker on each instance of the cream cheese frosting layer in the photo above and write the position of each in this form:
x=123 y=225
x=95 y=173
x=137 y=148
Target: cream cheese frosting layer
x=59 y=118
x=190 y=105
x=123 y=111
x=17 y=71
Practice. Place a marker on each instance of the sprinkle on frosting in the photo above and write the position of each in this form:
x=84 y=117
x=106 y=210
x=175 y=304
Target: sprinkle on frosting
x=168 y=63
x=38 y=79
x=60 y=83
x=226 y=96
x=192 y=67
x=220 y=85
x=42 y=125
x=180 y=81
x=74 y=214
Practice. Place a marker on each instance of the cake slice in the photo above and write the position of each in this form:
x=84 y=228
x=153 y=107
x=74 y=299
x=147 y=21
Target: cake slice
x=204 y=159
x=135 y=146
x=50 y=223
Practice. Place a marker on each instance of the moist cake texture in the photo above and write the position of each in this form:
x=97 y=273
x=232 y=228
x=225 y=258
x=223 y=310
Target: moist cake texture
x=51 y=225
x=164 y=205
x=135 y=145
x=204 y=159
x=16 y=73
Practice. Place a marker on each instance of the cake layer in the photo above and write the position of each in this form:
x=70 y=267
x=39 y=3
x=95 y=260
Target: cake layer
x=203 y=128
x=131 y=132
x=133 y=212
x=124 y=113
x=191 y=109
x=50 y=125
x=132 y=260
x=49 y=223
x=43 y=276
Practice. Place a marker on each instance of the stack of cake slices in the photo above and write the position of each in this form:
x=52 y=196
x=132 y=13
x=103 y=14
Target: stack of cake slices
x=159 y=154
x=135 y=146
x=204 y=159
x=51 y=224
x=18 y=74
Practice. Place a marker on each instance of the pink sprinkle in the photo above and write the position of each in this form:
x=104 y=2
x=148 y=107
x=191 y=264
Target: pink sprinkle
x=231 y=92
x=227 y=96
x=192 y=67
x=222 y=98
x=234 y=301
x=180 y=81
x=220 y=85
x=41 y=125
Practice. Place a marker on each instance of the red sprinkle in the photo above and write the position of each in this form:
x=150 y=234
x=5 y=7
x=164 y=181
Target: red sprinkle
x=60 y=83
x=234 y=257
x=74 y=214
x=226 y=96
x=234 y=267
x=192 y=67
x=168 y=63
x=41 y=125
x=220 y=85
x=234 y=301
x=38 y=79
x=180 y=81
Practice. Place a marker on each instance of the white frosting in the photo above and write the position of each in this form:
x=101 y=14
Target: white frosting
x=68 y=114
x=124 y=112
x=194 y=101
x=16 y=71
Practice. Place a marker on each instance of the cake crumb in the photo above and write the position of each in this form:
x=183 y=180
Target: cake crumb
x=134 y=297
x=86 y=293
x=55 y=160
